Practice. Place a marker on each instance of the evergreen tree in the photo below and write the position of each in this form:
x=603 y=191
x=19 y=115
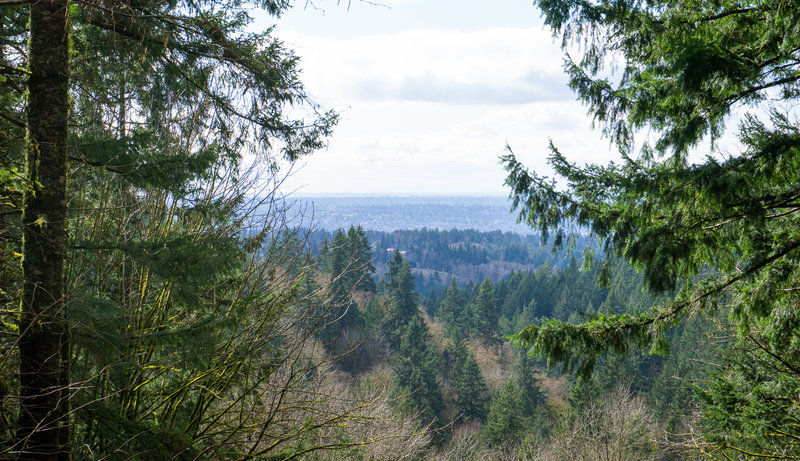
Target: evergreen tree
x=733 y=218
x=403 y=298
x=374 y=316
x=524 y=317
x=484 y=312
x=529 y=384
x=43 y=345
x=158 y=273
x=451 y=307
x=471 y=393
x=361 y=253
x=749 y=406
x=692 y=354
x=338 y=260
x=415 y=368
x=340 y=311
x=506 y=421
x=431 y=302
x=583 y=393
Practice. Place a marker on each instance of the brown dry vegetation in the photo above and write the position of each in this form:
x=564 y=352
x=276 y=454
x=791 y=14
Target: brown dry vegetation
x=556 y=389
x=495 y=362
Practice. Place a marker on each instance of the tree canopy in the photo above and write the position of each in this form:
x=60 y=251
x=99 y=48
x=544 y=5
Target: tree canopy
x=724 y=228
x=145 y=130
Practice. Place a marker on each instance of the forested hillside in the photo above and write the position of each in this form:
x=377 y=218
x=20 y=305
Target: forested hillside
x=447 y=359
x=466 y=254
x=157 y=301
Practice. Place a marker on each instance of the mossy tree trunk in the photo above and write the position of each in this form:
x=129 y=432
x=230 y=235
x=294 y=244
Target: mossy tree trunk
x=43 y=414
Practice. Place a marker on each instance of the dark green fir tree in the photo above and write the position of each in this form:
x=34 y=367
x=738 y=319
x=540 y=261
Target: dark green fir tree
x=484 y=311
x=416 y=367
x=403 y=299
x=506 y=422
x=363 y=270
x=451 y=307
x=471 y=392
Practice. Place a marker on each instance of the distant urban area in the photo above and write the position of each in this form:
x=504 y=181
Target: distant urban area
x=386 y=214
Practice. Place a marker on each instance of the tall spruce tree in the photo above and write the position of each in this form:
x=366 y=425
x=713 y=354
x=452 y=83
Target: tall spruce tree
x=723 y=229
x=529 y=384
x=506 y=421
x=345 y=271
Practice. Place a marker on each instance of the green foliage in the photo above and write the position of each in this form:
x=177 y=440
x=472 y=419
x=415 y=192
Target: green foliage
x=416 y=365
x=471 y=392
x=671 y=219
x=506 y=421
x=340 y=309
x=451 y=307
x=721 y=231
x=466 y=254
x=13 y=23
x=749 y=405
x=533 y=398
x=694 y=347
x=361 y=251
x=404 y=300
x=183 y=297
x=484 y=311
x=471 y=389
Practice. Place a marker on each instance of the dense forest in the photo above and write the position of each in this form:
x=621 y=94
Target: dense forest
x=156 y=302
x=466 y=254
x=450 y=363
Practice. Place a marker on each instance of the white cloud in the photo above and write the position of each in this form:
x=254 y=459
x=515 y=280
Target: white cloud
x=447 y=149
x=445 y=65
x=429 y=93
x=429 y=111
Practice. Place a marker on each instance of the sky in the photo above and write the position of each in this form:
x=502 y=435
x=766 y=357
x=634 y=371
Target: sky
x=429 y=93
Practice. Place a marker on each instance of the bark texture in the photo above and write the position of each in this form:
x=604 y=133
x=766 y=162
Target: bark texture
x=43 y=417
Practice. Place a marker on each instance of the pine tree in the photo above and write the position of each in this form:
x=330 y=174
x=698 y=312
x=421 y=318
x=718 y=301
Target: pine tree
x=431 y=302
x=529 y=384
x=340 y=310
x=747 y=406
x=524 y=317
x=471 y=392
x=361 y=251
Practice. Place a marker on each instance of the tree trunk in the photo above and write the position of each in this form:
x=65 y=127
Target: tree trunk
x=44 y=393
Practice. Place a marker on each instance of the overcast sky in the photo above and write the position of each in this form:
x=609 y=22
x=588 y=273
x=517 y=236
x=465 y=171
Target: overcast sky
x=429 y=92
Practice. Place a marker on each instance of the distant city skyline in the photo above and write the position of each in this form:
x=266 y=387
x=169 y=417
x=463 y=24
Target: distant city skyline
x=430 y=93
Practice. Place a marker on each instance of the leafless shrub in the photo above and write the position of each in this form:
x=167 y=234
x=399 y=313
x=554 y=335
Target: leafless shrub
x=620 y=427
